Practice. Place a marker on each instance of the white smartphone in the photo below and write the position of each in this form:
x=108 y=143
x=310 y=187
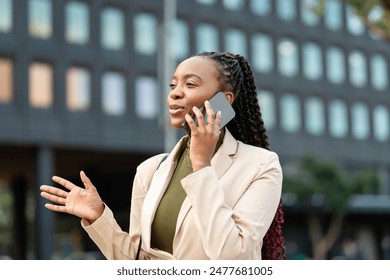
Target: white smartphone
x=218 y=102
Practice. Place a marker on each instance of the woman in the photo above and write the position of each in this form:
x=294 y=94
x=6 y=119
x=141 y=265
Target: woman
x=215 y=196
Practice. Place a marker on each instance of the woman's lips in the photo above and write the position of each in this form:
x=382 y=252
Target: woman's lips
x=175 y=110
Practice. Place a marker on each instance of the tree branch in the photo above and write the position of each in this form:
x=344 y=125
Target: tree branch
x=314 y=225
x=334 y=231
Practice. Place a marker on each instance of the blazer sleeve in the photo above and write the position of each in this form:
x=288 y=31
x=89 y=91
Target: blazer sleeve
x=235 y=232
x=113 y=242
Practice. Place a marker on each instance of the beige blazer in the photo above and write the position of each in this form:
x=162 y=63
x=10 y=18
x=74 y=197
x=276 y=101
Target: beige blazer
x=228 y=209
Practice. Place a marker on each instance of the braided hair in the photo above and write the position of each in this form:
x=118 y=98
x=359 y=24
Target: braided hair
x=248 y=126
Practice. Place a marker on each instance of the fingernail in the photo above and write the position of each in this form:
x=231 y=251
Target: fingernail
x=207 y=102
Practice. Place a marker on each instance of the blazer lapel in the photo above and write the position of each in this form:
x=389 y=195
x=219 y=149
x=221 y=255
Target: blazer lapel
x=160 y=182
x=221 y=162
x=222 y=158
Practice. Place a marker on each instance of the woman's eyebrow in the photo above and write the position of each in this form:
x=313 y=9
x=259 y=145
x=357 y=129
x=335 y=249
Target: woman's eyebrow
x=190 y=75
x=187 y=76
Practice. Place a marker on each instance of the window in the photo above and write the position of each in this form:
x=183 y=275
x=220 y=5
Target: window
x=179 y=40
x=267 y=108
x=145 y=34
x=261 y=8
x=357 y=69
x=206 y=37
x=233 y=5
x=285 y=9
x=379 y=72
x=290 y=113
x=78 y=89
x=6 y=80
x=146 y=97
x=354 y=24
x=381 y=123
x=40 y=18
x=112 y=34
x=308 y=13
x=360 y=121
x=235 y=41
x=206 y=2
x=262 y=52
x=77 y=22
x=335 y=65
x=338 y=119
x=40 y=85
x=312 y=61
x=288 y=58
x=6 y=16
x=333 y=15
x=314 y=116
x=113 y=93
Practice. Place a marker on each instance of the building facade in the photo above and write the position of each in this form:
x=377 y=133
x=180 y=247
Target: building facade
x=82 y=87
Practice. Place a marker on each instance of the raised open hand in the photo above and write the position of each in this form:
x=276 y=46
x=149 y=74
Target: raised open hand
x=84 y=203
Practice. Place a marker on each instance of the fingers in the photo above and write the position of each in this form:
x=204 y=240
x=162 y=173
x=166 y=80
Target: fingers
x=55 y=195
x=190 y=121
x=218 y=119
x=199 y=116
x=86 y=181
x=195 y=129
x=57 y=208
x=49 y=195
x=52 y=192
x=63 y=182
x=213 y=120
x=210 y=112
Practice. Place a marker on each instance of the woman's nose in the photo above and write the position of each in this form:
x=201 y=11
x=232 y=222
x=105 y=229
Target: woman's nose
x=176 y=93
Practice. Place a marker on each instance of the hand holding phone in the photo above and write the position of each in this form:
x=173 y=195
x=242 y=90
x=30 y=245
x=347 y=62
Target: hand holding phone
x=218 y=102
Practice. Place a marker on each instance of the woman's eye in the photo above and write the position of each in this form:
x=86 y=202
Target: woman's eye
x=172 y=86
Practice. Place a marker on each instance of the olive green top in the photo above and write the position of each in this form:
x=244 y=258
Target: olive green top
x=164 y=223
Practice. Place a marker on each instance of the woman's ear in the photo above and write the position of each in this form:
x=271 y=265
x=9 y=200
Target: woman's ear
x=230 y=96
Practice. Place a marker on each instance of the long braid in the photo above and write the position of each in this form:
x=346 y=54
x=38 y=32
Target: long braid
x=248 y=100
x=248 y=127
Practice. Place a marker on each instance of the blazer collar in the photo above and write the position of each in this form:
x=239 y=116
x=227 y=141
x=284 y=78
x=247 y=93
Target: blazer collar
x=221 y=161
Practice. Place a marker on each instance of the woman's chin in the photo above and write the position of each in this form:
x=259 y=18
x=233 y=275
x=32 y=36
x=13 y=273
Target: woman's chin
x=177 y=123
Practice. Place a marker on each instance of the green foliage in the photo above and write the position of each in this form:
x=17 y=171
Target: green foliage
x=366 y=182
x=319 y=7
x=5 y=207
x=5 y=217
x=380 y=24
x=324 y=183
x=363 y=8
